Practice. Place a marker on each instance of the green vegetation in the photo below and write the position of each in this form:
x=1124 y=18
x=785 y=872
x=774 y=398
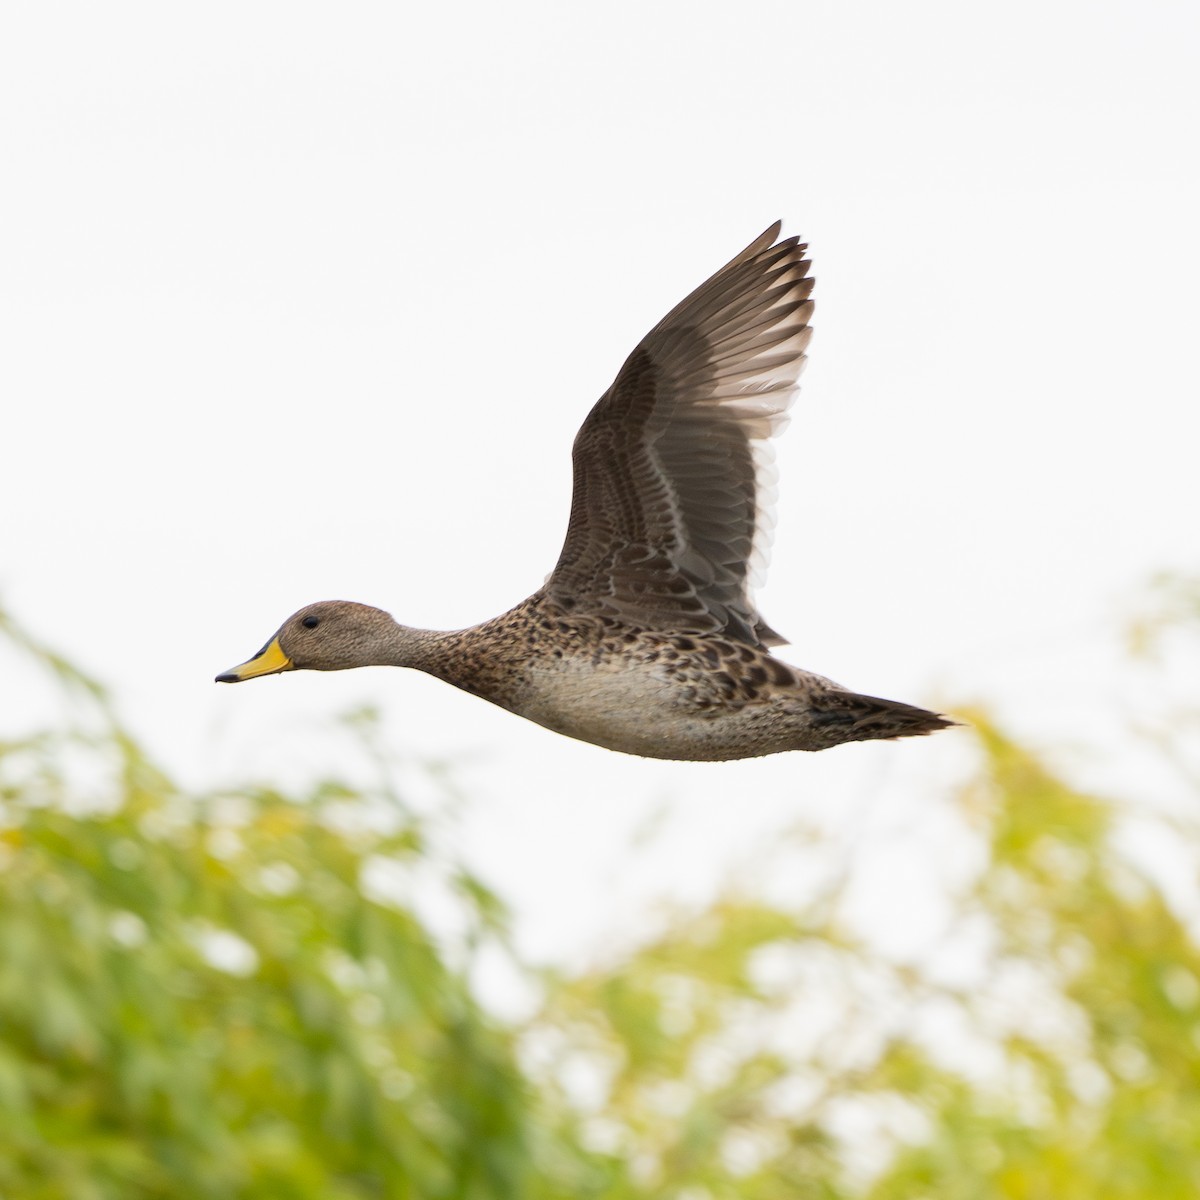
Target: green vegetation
x=234 y=995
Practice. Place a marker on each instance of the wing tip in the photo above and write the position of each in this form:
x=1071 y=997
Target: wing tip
x=765 y=241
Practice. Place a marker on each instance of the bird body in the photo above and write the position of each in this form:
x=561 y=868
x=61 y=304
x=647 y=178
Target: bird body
x=645 y=638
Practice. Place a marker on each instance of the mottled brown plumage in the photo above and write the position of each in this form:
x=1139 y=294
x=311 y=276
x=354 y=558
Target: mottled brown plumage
x=645 y=637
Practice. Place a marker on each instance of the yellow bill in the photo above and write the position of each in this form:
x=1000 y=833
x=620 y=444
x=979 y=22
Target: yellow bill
x=270 y=660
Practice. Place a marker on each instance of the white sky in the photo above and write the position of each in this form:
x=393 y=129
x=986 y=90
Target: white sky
x=305 y=301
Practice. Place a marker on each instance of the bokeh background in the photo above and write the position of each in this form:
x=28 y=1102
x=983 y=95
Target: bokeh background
x=304 y=303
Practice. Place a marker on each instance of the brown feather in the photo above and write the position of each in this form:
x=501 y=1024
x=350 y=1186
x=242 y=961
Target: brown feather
x=673 y=483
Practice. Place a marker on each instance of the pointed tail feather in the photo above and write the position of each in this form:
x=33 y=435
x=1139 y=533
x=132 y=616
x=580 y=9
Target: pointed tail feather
x=851 y=717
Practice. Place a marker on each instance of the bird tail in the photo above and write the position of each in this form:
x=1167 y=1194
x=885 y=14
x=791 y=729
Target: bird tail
x=851 y=717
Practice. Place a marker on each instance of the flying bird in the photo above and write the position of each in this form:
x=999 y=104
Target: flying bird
x=645 y=637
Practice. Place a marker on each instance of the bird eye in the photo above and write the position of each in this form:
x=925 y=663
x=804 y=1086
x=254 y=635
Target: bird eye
x=311 y=622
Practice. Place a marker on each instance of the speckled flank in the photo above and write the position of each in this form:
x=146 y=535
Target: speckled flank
x=660 y=695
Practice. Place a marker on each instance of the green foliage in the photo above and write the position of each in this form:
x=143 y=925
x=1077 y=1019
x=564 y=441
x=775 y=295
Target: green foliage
x=206 y=996
x=235 y=995
x=1100 y=1065
x=1068 y=1067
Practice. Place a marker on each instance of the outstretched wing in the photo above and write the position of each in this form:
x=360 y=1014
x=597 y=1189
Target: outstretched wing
x=670 y=516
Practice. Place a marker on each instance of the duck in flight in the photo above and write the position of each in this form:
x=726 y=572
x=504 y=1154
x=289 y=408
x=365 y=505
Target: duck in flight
x=645 y=637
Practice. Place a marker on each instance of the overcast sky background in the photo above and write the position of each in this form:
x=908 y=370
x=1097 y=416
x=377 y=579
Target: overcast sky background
x=305 y=301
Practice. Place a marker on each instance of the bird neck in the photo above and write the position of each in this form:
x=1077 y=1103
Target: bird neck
x=470 y=659
x=404 y=646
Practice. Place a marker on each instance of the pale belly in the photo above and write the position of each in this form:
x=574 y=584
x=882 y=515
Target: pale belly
x=636 y=712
